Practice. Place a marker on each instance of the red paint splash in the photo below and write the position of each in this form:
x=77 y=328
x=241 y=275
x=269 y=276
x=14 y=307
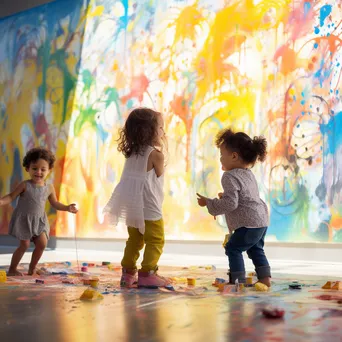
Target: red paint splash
x=139 y=86
x=325 y=297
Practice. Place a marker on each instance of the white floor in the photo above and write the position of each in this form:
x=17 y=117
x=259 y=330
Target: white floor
x=280 y=267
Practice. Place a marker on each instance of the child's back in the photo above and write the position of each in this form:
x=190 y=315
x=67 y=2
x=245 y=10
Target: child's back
x=137 y=199
x=246 y=209
x=139 y=194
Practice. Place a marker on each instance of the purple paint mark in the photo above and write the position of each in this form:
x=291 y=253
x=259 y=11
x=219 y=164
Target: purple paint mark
x=307 y=7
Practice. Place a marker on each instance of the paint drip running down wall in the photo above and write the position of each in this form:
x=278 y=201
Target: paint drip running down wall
x=71 y=71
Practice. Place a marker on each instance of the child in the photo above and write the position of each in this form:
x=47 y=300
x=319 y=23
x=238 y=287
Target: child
x=246 y=214
x=138 y=198
x=29 y=221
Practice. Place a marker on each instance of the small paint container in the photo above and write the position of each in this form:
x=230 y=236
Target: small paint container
x=273 y=312
x=94 y=283
x=220 y=281
x=170 y=287
x=85 y=264
x=67 y=263
x=105 y=263
x=3 y=277
x=91 y=265
x=191 y=281
x=84 y=269
x=249 y=280
x=39 y=281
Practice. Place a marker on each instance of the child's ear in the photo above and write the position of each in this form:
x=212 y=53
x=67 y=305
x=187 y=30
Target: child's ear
x=235 y=155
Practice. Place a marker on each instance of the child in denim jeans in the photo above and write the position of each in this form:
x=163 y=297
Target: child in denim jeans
x=246 y=214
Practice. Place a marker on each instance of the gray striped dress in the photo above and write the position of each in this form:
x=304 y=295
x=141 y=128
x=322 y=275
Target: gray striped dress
x=29 y=218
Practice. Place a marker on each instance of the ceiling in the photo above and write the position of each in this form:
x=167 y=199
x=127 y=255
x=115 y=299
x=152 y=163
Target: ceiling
x=9 y=7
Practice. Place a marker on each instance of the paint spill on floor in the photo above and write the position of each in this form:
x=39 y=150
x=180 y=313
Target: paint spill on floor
x=310 y=312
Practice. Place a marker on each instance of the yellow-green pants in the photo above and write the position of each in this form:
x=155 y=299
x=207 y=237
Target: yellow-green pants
x=154 y=240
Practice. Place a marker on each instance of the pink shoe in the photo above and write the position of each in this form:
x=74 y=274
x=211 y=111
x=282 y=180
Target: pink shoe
x=151 y=280
x=128 y=278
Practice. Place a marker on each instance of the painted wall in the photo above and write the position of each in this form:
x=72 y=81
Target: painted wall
x=267 y=67
x=39 y=60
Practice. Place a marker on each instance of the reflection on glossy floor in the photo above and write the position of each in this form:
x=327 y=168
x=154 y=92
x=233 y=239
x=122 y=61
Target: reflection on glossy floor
x=53 y=312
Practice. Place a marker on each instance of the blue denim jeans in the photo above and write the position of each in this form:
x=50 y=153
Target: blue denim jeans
x=250 y=240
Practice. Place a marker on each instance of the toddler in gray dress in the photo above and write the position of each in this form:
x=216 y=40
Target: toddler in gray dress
x=29 y=221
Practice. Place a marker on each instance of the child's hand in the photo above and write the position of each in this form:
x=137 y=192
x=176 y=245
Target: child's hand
x=202 y=201
x=220 y=194
x=72 y=208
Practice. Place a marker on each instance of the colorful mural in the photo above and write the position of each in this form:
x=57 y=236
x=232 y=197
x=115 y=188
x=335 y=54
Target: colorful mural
x=267 y=67
x=39 y=60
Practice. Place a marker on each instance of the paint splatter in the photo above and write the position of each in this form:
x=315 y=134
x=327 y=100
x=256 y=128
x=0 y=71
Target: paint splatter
x=70 y=77
x=324 y=12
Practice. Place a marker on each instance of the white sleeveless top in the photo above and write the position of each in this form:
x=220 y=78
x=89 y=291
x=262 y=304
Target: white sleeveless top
x=138 y=196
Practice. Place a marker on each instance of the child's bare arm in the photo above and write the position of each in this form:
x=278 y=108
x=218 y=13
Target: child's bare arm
x=60 y=206
x=157 y=159
x=13 y=195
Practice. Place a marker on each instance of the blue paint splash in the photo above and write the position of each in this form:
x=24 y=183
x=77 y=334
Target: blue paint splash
x=323 y=13
x=323 y=73
x=333 y=134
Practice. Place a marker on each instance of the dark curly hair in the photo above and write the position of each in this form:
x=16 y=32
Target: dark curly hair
x=37 y=153
x=140 y=130
x=250 y=150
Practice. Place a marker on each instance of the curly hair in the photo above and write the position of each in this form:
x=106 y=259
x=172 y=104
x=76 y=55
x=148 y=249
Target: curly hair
x=37 y=153
x=250 y=150
x=140 y=129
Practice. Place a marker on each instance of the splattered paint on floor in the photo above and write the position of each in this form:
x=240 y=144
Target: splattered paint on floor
x=52 y=311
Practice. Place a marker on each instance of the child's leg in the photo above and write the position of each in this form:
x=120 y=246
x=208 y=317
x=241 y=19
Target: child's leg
x=242 y=240
x=154 y=239
x=134 y=245
x=40 y=245
x=262 y=267
x=234 y=248
x=17 y=256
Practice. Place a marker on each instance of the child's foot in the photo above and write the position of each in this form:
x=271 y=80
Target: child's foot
x=152 y=280
x=266 y=281
x=34 y=271
x=14 y=273
x=128 y=278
